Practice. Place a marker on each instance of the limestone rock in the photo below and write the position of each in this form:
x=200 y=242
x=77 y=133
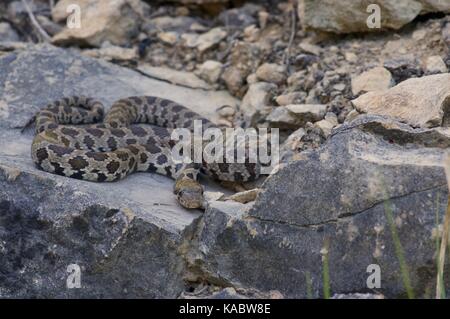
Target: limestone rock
x=295 y=115
x=255 y=102
x=327 y=124
x=310 y=48
x=234 y=80
x=112 y=53
x=206 y=40
x=333 y=16
x=210 y=71
x=291 y=98
x=170 y=37
x=271 y=72
x=115 y=21
x=418 y=101
x=375 y=79
x=434 y=64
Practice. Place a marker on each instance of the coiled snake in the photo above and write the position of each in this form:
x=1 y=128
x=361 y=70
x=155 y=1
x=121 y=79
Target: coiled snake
x=124 y=143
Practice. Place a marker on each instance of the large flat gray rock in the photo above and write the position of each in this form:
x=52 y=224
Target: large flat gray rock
x=124 y=235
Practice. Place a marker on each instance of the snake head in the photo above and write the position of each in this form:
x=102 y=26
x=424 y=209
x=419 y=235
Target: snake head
x=189 y=193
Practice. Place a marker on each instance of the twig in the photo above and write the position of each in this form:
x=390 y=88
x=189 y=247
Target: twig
x=292 y=36
x=35 y=22
x=444 y=237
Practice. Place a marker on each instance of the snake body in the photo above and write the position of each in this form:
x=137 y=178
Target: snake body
x=134 y=136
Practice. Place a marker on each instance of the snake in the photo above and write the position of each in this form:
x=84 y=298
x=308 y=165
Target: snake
x=76 y=138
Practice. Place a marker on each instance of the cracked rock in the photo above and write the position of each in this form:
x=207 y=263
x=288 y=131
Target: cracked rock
x=124 y=236
x=342 y=200
x=418 y=101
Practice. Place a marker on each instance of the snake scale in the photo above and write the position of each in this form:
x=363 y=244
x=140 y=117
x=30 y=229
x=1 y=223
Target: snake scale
x=75 y=138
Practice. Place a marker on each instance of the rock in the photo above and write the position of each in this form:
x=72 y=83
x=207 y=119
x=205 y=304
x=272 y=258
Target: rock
x=112 y=53
x=446 y=34
x=7 y=33
x=12 y=46
x=305 y=60
x=234 y=80
x=226 y=111
x=244 y=59
x=177 y=24
x=434 y=65
x=291 y=98
x=125 y=236
x=182 y=78
x=272 y=73
x=170 y=37
x=213 y=196
x=245 y=196
x=340 y=87
x=48 y=25
x=210 y=71
x=206 y=40
x=17 y=12
x=400 y=133
x=295 y=115
x=342 y=200
x=419 y=102
x=255 y=103
x=290 y=147
x=310 y=48
x=252 y=78
x=375 y=79
x=263 y=18
x=327 y=124
x=351 y=115
x=332 y=16
x=300 y=141
x=403 y=67
x=252 y=33
x=419 y=34
x=239 y=18
x=114 y=21
x=351 y=57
